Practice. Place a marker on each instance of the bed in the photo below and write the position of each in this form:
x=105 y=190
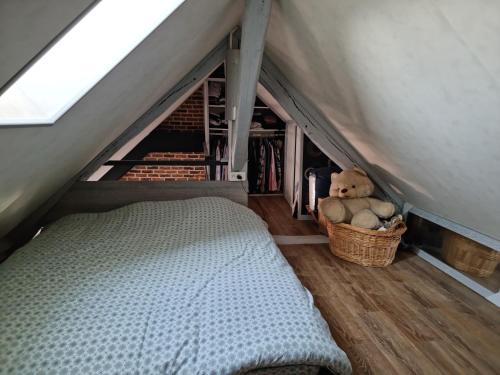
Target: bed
x=182 y=287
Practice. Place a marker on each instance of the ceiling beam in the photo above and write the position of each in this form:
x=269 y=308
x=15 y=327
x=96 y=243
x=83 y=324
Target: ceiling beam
x=134 y=141
x=317 y=127
x=254 y=27
x=193 y=79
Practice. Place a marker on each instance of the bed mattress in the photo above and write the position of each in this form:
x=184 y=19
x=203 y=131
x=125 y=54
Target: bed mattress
x=181 y=287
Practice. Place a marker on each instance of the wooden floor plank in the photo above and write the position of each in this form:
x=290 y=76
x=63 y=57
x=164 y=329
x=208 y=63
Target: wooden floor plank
x=408 y=318
x=277 y=214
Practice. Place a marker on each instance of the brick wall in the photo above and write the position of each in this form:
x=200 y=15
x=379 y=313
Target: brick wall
x=188 y=117
x=167 y=172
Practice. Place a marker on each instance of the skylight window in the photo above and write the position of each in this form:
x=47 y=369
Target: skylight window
x=83 y=56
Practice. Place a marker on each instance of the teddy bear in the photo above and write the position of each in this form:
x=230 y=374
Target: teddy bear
x=350 y=201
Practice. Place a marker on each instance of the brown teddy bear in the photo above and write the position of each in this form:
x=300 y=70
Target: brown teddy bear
x=350 y=201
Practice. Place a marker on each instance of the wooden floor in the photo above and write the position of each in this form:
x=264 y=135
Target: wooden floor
x=408 y=318
x=278 y=215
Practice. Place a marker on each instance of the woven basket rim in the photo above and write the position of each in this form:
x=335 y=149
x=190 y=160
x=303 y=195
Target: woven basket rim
x=399 y=229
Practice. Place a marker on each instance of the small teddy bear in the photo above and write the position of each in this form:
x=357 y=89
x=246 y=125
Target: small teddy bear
x=350 y=201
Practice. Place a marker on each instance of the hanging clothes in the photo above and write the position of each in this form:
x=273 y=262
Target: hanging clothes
x=253 y=161
x=220 y=152
x=261 y=181
x=279 y=169
x=273 y=185
x=265 y=169
x=217 y=158
x=268 y=165
x=225 y=156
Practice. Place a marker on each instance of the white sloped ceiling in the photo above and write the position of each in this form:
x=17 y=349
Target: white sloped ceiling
x=38 y=161
x=27 y=26
x=414 y=85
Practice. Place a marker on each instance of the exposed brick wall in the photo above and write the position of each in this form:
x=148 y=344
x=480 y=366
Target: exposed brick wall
x=188 y=117
x=167 y=172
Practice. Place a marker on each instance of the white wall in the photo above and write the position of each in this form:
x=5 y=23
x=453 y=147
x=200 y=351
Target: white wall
x=414 y=85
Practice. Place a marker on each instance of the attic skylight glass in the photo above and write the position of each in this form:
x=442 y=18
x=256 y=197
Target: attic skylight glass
x=84 y=55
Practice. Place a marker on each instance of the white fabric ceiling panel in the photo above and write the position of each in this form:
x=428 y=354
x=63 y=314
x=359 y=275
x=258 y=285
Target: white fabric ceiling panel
x=413 y=85
x=27 y=26
x=38 y=161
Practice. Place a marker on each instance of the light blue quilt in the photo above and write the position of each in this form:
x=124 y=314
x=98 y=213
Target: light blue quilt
x=182 y=287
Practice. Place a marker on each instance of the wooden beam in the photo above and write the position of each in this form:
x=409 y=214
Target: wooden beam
x=232 y=66
x=194 y=78
x=157 y=141
x=136 y=140
x=24 y=231
x=254 y=27
x=317 y=127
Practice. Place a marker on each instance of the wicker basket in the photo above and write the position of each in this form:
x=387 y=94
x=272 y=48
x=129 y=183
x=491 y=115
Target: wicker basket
x=369 y=248
x=322 y=222
x=469 y=256
x=318 y=218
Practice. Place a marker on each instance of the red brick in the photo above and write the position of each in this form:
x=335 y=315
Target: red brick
x=189 y=117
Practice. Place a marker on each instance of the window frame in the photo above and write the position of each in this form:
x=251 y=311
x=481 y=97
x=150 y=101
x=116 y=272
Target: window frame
x=80 y=92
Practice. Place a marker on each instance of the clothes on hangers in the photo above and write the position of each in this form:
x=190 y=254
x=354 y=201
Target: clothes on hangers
x=279 y=166
x=265 y=165
x=225 y=156
x=217 y=158
x=273 y=185
x=221 y=152
x=261 y=183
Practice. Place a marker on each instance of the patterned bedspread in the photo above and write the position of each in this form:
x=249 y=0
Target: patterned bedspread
x=182 y=287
